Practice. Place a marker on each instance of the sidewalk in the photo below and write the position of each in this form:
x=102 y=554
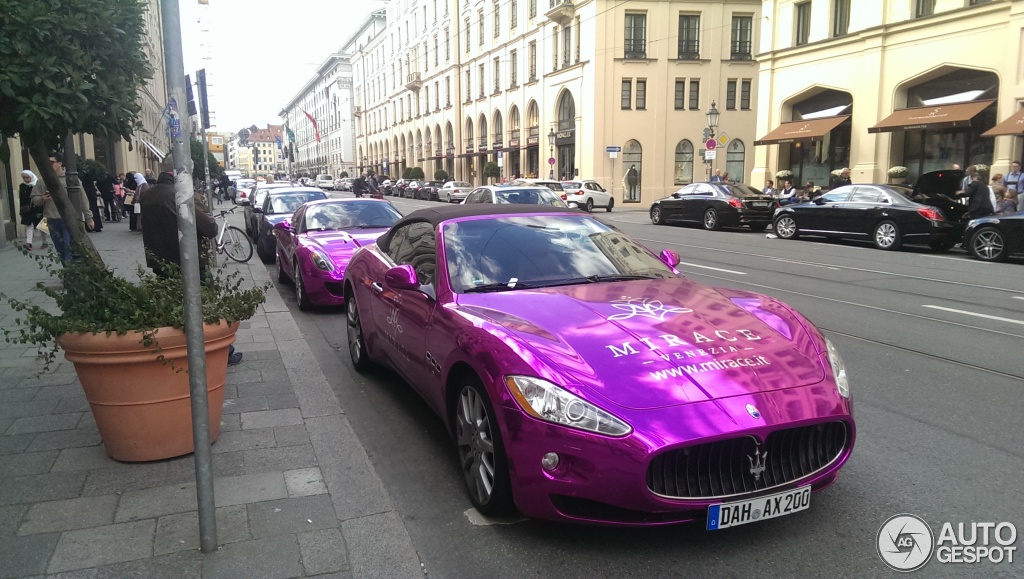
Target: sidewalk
x=295 y=491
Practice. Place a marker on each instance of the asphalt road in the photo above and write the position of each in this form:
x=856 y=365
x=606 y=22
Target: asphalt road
x=934 y=345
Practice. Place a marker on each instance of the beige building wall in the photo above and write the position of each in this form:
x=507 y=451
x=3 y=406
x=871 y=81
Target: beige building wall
x=887 y=50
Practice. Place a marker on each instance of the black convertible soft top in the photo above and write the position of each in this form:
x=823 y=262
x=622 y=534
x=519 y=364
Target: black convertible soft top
x=435 y=215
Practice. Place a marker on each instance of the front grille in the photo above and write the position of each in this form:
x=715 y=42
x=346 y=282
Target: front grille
x=723 y=468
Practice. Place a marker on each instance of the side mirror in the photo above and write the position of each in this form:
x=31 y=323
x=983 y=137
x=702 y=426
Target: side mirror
x=402 y=277
x=677 y=195
x=819 y=201
x=285 y=225
x=669 y=257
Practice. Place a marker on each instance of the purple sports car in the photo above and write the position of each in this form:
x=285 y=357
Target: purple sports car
x=584 y=379
x=314 y=246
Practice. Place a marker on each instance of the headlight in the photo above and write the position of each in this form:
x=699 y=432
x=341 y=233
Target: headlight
x=321 y=261
x=542 y=399
x=838 y=370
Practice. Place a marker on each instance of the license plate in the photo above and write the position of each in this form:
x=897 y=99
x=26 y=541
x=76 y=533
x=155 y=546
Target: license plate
x=759 y=204
x=728 y=515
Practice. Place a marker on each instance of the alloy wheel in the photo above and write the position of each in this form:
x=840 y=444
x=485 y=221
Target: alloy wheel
x=711 y=219
x=887 y=235
x=656 y=215
x=354 y=330
x=785 y=227
x=590 y=205
x=476 y=445
x=988 y=245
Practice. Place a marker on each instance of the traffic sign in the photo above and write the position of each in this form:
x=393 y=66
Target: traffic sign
x=613 y=149
x=711 y=144
x=613 y=154
x=710 y=154
x=551 y=160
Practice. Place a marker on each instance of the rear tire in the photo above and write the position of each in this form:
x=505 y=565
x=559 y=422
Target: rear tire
x=785 y=227
x=988 y=244
x=354 y=328
x=887 y=236
x=611 y=203
x=481 y=451
x=656 y=216
x=281 y=275
x=590 y=205
x=711 y=222
x=264 y=255
x=301 y=295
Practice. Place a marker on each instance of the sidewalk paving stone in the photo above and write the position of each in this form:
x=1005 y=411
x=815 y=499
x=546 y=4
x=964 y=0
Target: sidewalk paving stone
x=69 y=514
x=45 y=423
x=249 y=488
x=40 y=487
x=271 y=418
x=65 y=439
x=291 y=515
x=293 y=435
x=30 y=463
x=279 y=459
x=273 y=557
x=180 y=532
x=103 y=545
x=25 y=556
x=183 y=565
x=156 y=502
x=244 y=440
x=323 y=551
x=305 y=482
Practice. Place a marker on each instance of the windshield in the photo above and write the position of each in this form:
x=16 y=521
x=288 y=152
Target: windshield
x=528 y=197
x=740 y=190
x=326 y=178
x=507 y=253
x=350 y=215
x=290 y=202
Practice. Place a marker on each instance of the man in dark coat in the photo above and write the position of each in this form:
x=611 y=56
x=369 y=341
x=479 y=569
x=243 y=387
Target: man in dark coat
x=160 y=233
x=979 y=202
x=92 y=194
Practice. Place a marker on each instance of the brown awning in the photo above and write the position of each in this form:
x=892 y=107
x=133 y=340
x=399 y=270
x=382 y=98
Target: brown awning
x=956 y=115
x=1011 y=126
x=812 y=130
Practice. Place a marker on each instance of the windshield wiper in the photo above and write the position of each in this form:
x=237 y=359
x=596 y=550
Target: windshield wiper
x=495 y=287
x=591 y=279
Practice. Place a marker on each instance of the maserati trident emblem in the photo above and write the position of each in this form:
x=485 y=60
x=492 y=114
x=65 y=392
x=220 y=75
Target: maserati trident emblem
x=757 y=463
x=753 y=411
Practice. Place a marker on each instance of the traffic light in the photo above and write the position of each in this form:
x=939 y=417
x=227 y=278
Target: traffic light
x=707 y=134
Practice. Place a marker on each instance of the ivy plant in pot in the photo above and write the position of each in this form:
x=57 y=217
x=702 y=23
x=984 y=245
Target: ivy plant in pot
x=127 y=343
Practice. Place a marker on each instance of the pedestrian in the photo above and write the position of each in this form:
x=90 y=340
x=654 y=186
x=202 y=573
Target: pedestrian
x=788 y=195
x=769 y=188
x=105 y=185
x=134 y=223
x=30 y=215
x=60 y=234
x=93 y=195
x=359 y=187
x=1013 y=178
x=979 y=202
x=1006 y=203
x=717 y=176
x=725 y=177
x=159 y=220
x=843 y=178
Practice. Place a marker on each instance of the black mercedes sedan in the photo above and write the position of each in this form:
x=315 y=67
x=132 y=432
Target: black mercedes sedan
x=716 y=205
x=883 y=214
x=996 y=237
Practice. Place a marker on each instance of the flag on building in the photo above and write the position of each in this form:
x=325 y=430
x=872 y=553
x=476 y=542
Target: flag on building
x=316 y=130
x=277 y=139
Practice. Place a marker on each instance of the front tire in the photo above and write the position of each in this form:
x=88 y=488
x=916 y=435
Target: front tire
x=611 y=203
x=785 y=227
x=656 y=217
x=711 y=222
x=887 y=236
x=281 y=275
x=590 y=205
x=354 y=329
x=481 y=451
x=988 y=244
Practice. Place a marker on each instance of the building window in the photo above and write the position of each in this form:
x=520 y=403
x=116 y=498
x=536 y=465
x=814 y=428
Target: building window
x=566 y=45
x=447 y=91
x=745 y=94
x=497 y=75
x=924 y=8
x=803 y=23
x=636 y=36
x=533 y=8
x=579 y=33
x=734 y=160
x=497 y=20
x=554 y=48
x=840 y=17
x=694 y=94
x=480 y=25
x=513 y=68
x=680 y=94
x=465 y=23
x=684 y=163
x=641 y=94
x=533 y=60
x=730 y=95
x=447 y=45
x=469 y=85
x=514 y=5
x=436 y=52
x=437 y=97
x=689 y=36
x=742 y=37
x=627 y=93
x=481 y=80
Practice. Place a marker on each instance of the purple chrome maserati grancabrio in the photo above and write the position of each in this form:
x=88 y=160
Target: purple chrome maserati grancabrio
x=314 y=246
x=584 y=379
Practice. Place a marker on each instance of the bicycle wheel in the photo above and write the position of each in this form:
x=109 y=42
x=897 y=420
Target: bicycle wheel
x=236 y=244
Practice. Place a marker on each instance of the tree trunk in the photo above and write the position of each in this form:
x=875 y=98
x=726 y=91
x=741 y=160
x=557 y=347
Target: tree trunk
x=72 y=217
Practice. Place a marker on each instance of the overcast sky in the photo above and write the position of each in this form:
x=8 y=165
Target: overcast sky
x=261 y=52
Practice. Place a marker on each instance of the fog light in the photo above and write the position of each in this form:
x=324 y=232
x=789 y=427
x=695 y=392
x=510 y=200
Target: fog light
x=550 y=461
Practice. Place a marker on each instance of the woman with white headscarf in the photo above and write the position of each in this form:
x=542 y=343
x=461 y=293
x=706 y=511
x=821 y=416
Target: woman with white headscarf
x=30 y=215
x=134 y=223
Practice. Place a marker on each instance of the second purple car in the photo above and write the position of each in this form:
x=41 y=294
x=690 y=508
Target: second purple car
x=314 y=246
x=584 y=379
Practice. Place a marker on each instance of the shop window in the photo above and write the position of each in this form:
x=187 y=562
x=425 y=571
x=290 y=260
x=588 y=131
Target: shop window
x=734 y=160
x=684 y=163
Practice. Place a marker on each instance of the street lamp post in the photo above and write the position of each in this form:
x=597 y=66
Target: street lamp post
x=713 y=115
x=551 y=153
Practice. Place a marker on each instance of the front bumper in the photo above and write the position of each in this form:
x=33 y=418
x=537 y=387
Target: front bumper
x=324 y=288
x=603 y=480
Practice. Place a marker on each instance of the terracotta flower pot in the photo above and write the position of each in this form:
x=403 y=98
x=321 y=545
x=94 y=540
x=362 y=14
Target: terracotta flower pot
x=141 y=404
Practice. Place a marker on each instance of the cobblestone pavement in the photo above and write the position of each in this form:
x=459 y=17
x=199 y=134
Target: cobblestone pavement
x=295 y=492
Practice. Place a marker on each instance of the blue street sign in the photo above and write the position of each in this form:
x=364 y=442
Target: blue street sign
x=613 y=149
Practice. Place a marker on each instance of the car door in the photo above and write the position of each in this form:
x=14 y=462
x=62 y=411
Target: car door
x=818 y=216
x=402 y=317
x=698 y=198
x=857 y=215
x=600 y=196
x=672 y=207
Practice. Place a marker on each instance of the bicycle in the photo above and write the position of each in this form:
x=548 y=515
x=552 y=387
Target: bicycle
x=231 y=240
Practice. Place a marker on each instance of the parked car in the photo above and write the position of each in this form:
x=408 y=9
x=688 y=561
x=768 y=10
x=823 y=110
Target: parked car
x=325 y=182
x=410 y=189
x=583 y=379
x=716 y=205
x=453 y=191
x=278 y=205
x=315 y=244
x=428 y=190
x=587 y=194
x=555 y=186
x=343 y=184
x=243 y=189
x=251 y=212
x=883 y=214
x=996 y=237
x=398 y=189
x=515 y=195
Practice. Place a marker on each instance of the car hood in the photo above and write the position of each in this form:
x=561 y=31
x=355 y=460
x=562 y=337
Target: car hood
x=342 y=242
x=653 y=344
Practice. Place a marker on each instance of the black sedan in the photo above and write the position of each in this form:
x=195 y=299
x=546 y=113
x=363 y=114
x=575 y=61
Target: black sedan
x=428 y=190
x=996 y=237
x=883 y=214
x=279 y=205
x=716 y=205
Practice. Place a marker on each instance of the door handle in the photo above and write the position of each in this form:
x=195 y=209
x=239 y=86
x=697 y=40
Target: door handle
x=376 y=287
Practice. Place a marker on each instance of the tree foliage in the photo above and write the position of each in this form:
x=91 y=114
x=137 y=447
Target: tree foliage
x=198 y=167
x=492 y=170
x=416 y=173
x=441 y=175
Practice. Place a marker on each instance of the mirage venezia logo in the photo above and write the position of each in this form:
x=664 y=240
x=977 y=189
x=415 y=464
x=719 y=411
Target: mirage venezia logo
x=644 y=307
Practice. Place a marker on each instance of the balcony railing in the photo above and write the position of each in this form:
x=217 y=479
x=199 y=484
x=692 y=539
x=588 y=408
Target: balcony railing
x=635 y=49
x=413 y=81
x=560 y=11
x=740 y=50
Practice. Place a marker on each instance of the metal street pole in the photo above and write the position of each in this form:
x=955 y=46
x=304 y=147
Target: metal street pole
x=184 y=197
